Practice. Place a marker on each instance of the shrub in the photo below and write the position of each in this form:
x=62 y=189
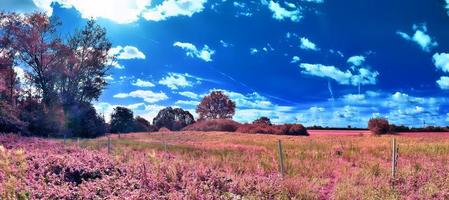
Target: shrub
x=216 y=106
x=173 y=119
x=285 y=129
x=9 y=121
x=42 y=121
x=142 y=125
x=397 y=129
x=226 y=125
x=83 y=121
x=256 y=128
x=263 y=120
x=378 y=126
x=295 y=129
x=122 y=120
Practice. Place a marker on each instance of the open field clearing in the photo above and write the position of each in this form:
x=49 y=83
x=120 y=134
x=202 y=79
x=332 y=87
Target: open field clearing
x=200 y=165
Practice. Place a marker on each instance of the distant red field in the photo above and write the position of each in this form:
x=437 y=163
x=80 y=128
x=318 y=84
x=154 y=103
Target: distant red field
x=366 y=132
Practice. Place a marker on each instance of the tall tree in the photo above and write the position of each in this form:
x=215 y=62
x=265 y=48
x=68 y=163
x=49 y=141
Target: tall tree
x=216 y=106
x=36 y=45
x=84 y=76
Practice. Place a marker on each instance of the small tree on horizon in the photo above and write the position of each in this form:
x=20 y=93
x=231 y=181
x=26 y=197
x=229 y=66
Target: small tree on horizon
x=263 y=121
x=216 y=106
x=122 y=120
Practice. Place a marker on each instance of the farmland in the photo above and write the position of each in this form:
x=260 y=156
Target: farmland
x=220 y=165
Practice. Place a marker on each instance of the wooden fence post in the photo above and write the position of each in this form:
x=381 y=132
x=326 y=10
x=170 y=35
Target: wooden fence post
x=394 y=158
x=281 y=158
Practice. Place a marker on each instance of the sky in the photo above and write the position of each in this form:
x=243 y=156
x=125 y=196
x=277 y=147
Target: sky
x=315 y=62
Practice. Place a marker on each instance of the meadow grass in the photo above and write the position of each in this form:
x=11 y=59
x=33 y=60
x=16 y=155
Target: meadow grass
x=337 y=167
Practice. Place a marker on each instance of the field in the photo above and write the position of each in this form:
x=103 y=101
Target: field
x=219 y=165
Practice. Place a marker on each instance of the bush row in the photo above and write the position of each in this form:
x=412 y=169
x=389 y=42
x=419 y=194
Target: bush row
x=255 y=127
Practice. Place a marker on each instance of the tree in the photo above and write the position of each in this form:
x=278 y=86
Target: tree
x=216 y=106
x=63 y=73
x=263 y=121
x=142 y=125
x=33 y=40
x=84 y=76
x=173 y=119
x=122 y=120
x=378 y=126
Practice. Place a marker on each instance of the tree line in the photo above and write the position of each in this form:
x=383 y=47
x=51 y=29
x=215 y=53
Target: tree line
x=63 y=77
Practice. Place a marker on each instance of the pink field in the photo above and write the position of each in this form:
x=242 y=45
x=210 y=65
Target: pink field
x=222 y=165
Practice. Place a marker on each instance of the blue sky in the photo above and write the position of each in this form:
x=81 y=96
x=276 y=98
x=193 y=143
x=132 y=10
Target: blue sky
x=331 y=63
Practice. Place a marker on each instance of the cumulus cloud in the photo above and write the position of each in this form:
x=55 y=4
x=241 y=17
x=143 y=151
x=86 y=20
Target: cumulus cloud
x=130 y=10
x=191 y=50
x=175 y=81
x=441 y=61
x=280 y=13
x=356 y=60
x=420 y=37
x=307 y=44
x=295 y=59
x=443 y=82
x=141 y=83
x=147 y=95
x=125 y=53
x=172 y=8
x=362 y=76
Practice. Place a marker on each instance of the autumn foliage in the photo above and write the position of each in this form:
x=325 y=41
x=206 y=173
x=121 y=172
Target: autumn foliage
x=216 y=106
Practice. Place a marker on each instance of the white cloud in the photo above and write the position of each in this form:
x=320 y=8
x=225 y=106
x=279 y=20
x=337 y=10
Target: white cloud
x=295 y=59
x=307 y=44
x=281 y=13
x=225 y=44
x=125 y=53
x=315 y=109
x=441 y=61
x=420 y=37
x=172 y=8
x=130 y=10
x=447 y=6
x=109 y=78
x=364 y=76
x=142 y=83
x=20 y=73
x=356 y=60
x=191 y=50
x=253 y=51
x=354 y=98
x=175 y=81
x=189 y=94
x=140 y=109
x=147 y=95
x=443 y=82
